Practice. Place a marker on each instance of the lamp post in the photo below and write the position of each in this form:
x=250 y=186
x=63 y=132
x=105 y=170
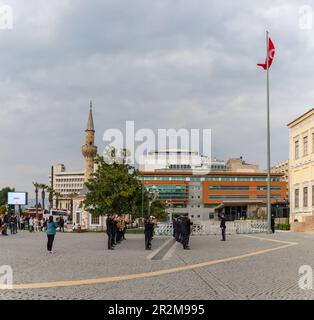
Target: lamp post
x=153 y=195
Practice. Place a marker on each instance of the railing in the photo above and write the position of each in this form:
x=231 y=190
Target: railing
x=213 y=227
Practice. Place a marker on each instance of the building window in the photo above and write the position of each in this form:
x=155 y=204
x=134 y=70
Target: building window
x=305 y=146
x=78 y=215
x=312 y=142
x=296 y=149
x=296 y=198
x=95 y=219
x=305 y=194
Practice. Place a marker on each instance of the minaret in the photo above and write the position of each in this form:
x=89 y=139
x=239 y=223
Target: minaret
x=89 y=150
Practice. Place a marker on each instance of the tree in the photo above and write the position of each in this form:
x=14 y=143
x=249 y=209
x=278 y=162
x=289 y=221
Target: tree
x=4 y=195
x=37 y=186
x=114 y=188
x=3 y=209
x=158 y=209
x=51 y=192
x=43 y=187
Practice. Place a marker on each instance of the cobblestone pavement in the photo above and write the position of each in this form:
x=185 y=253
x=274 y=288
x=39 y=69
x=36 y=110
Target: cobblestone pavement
x=269 y=275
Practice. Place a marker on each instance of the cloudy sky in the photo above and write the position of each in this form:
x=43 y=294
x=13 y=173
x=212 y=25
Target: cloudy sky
x=162 y=63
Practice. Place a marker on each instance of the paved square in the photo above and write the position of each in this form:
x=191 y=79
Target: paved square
x=244 y=267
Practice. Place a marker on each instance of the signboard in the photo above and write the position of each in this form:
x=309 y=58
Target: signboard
x=17 y=198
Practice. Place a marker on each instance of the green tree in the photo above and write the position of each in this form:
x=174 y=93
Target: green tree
x=114 y=187
x=37 y=186
x=4 y=195
x=158 y=210
x=3 y=209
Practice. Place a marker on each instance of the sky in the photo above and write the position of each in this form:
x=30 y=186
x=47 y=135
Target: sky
x=160 y=63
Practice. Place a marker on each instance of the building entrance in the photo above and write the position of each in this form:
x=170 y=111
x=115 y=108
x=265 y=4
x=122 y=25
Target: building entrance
x=235 y=212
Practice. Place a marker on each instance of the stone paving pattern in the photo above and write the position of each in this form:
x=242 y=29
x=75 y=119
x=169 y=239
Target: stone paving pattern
x=272 y=275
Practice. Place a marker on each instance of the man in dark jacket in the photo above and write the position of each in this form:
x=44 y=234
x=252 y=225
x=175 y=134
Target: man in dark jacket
x=109 y=230
x=272 y=223
x=148 y=230
x=223 y=226
x=186 y=226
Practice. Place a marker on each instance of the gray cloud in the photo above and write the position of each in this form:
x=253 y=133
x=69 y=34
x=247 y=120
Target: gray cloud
x=163 y=64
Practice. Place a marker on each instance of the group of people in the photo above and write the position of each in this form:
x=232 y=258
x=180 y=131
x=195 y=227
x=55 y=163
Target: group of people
x=8 y=222
x=11 y=223
x=182 y=229
x=116 y=228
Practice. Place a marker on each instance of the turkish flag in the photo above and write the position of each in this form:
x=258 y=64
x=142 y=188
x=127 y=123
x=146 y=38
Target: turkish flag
x=270 y=56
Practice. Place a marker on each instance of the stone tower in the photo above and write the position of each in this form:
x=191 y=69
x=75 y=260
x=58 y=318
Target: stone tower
x=89 y=150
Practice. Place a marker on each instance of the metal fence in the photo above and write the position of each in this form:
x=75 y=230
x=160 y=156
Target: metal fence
x=213 y=227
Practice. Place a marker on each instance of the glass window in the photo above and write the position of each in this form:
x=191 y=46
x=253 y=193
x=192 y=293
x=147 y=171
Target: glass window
x=305 y=146
x=305 y=195
x=296 y=149
x=95 y=219
x=296 y=198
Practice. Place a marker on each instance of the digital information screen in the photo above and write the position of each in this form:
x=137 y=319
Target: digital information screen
x=17 y=198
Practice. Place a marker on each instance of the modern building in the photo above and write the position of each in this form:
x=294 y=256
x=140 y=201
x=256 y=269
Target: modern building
x=179 y=159
x=241 y=194
x=283 y=167
x=66 y=184
x=301 y=171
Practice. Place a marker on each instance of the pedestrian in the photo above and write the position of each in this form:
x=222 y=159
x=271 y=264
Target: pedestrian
x=31 y=224
x=223 y=226
x=51 y=232
x=12 y=224
x=22 y=221
x=148 y=231
x=272 y=223
x=186 y=231
x=61 y=224
x=109 y=231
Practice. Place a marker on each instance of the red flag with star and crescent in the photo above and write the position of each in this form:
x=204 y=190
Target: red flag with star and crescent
x=270 y=56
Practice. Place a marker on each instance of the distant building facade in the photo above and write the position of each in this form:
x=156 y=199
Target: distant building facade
x=66 y=183
x=283 y=167
x=179 y=159
x=301 y=172
x=239 y=165
x=240 y=194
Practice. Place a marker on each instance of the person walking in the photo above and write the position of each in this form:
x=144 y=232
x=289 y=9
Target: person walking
x=51 y=232
x=223 y=226
x=272 y=223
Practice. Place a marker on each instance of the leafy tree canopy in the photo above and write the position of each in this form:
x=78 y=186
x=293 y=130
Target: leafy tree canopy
x=4 y=195
x=116 y=188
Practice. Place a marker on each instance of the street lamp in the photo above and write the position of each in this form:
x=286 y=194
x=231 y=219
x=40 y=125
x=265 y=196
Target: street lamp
x=153 y=195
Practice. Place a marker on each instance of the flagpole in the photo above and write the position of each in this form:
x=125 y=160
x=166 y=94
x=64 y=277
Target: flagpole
x=268 y=142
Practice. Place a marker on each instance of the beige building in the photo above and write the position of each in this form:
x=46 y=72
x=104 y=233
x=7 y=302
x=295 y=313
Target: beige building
x=283 y=167
x=239 y=165
x=66 y=184
x=301 y=172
